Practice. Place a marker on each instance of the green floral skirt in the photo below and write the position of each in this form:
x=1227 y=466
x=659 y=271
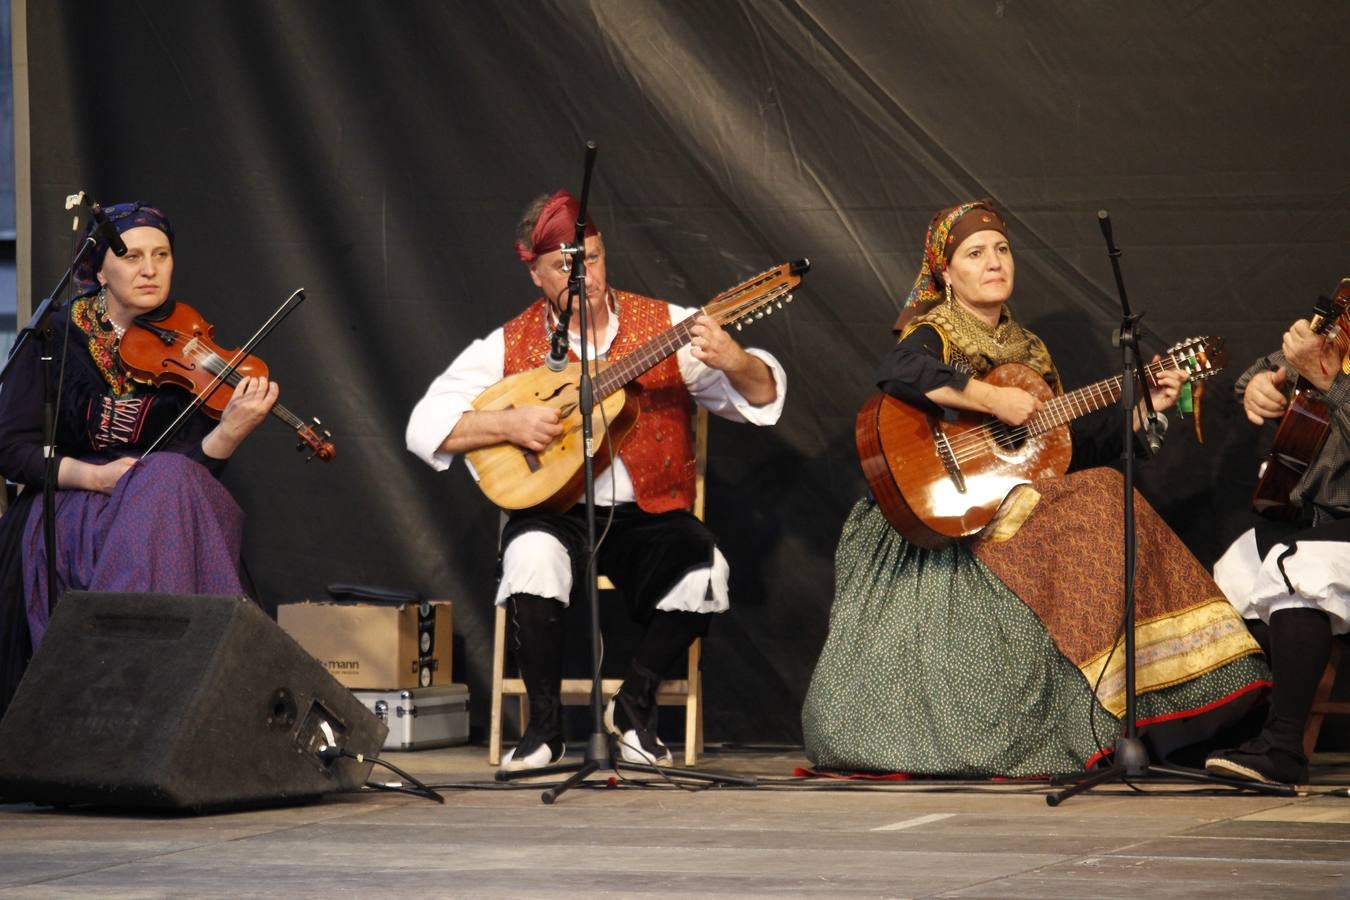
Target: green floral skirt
x=933 y=666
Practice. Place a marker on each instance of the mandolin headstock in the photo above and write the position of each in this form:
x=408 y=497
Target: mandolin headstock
x=757 y=297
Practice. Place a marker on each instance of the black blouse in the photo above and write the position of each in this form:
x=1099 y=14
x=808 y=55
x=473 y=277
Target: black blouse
x=93 y=424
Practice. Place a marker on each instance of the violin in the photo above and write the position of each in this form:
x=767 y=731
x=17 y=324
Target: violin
x=175 y=345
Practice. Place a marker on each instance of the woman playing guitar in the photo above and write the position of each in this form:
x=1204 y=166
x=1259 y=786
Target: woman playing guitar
x=992 y=657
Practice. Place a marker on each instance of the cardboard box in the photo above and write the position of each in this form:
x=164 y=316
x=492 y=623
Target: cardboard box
x=375 y=646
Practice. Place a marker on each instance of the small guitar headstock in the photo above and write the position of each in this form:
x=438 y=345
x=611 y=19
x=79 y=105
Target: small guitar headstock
x=1198 y=357
x=1327 y=311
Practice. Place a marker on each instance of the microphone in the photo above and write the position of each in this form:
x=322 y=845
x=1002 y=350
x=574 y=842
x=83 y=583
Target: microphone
x=104 y=229
x=557 y=339
x=1155 y=427
x=557 y=353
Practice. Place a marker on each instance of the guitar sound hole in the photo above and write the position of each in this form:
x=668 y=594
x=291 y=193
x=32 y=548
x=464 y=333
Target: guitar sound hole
x=1008 y=439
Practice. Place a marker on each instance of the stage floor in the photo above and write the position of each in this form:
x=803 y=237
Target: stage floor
x=788 y=836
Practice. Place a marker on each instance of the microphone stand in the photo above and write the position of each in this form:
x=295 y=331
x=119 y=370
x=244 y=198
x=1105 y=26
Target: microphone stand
x=600 y=749
x=1131 y=757
x=37 y=328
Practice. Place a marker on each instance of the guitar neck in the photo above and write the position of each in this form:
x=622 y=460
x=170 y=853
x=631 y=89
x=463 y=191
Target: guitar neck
x=1088 y=399
x=741 y=303
x=630 y=366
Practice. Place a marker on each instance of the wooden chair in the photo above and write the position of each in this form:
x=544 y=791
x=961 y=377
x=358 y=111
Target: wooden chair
x=1323 y=705
x=686 y=692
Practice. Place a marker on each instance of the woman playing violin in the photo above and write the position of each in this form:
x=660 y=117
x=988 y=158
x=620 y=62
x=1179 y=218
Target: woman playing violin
x=159 y=523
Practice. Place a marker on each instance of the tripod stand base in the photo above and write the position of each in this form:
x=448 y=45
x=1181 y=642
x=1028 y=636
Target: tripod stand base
x=1122 y=773
x=600 y=754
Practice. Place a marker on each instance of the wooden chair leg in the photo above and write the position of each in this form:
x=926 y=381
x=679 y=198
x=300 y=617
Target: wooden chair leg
x=693 y=706
x=1322 y=704
x=498 y=670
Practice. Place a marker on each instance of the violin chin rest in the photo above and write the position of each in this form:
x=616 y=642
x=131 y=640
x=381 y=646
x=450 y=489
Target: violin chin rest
x=159 y=315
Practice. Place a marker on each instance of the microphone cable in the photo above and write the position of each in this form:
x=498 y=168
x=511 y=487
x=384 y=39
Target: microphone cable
x=330 y=753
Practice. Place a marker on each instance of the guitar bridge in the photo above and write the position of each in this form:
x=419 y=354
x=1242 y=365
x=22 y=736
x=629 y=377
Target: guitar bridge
x=944 y=452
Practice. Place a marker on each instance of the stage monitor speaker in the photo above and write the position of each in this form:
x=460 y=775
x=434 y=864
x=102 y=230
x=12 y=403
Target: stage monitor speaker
x=183 y=702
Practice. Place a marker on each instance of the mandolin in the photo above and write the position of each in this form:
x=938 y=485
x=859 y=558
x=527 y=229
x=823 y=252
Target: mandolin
x=1303 y=429
x=938 y=480
x=516 y=478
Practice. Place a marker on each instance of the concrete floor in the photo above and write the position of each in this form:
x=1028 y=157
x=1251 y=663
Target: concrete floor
x=788 y=836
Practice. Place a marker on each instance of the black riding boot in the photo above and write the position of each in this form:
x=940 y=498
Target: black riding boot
x=631 y=713
x=1300 y=644
x=537 y=637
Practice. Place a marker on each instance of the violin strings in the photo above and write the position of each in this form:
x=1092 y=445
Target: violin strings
x=217 y=365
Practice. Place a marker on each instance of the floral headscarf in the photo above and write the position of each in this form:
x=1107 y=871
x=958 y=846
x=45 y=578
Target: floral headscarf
x=948 y=228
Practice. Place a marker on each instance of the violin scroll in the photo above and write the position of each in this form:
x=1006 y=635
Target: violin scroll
x=317 y=440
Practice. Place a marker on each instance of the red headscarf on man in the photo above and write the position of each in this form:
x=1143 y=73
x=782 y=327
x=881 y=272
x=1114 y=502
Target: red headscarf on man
x=556 y=225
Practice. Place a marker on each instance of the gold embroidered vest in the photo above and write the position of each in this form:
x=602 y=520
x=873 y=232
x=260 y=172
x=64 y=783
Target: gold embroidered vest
x=970 y=343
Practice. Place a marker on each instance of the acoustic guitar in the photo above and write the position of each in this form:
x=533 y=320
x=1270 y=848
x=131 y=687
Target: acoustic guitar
x=938 y=481
x=516 y=478
x=1303 y=429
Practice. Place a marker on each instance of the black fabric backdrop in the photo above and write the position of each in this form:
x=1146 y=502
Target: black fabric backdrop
x=378 y=154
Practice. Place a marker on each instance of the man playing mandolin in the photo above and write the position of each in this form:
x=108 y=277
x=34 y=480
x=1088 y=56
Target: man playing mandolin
x=663 y=560
x=1294 y=575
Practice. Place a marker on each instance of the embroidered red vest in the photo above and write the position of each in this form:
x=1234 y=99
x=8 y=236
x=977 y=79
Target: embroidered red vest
x=659 y=451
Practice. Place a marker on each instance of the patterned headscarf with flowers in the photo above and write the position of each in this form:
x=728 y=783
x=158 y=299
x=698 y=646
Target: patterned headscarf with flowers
x=938 y=244
x=967 y=341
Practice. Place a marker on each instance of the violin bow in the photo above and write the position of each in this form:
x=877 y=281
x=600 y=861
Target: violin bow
x=285 y=309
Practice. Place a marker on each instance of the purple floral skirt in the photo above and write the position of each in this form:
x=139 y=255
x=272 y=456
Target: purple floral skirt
x=168 y=527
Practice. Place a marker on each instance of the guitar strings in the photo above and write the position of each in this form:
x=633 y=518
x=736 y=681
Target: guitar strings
x=978 y=440
x=727 y=309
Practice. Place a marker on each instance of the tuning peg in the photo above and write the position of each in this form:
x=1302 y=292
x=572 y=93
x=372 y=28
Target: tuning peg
x=787 y=299
x=739 y=327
